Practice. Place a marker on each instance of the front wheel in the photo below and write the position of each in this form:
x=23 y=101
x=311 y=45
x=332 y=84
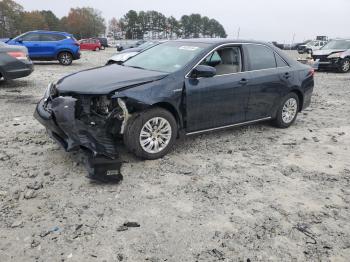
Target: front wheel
x=288 y=111
x=344 y=65
x=151 y=134
x=65 y=58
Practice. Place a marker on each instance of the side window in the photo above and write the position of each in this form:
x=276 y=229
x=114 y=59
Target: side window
x=226 y=60
x=48 y=37
x=280 y=62
x=31 y=37
x=260 y=57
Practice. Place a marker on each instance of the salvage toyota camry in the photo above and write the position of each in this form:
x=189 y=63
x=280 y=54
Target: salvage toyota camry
x=177 y=88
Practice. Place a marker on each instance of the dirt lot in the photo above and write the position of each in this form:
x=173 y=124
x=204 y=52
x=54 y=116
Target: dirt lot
x=247 y=194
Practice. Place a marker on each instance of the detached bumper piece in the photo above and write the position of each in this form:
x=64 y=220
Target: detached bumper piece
x=59 y=117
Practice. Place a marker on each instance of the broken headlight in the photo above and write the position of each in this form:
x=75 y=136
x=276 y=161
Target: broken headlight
x=51 y=91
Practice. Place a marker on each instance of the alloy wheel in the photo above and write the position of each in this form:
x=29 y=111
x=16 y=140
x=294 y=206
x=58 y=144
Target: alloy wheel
x=155 y=135
x=65 y=58
x=289 y=110
x=346 y=66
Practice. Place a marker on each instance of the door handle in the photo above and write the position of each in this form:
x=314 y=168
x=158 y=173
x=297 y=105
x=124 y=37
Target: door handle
x=243 y=81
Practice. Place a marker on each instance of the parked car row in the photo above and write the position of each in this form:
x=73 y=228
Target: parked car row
x=126 y=44
x=126 y=54
x=311 y=46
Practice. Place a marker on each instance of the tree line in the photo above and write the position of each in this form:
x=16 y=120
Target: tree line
x=83 y=22
x=86 y=22
x=153 y=24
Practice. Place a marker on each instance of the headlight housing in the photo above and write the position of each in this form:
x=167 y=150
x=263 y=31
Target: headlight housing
x=335 y=55
x=51 y=91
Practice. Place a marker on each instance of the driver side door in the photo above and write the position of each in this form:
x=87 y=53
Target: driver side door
x=221 y=100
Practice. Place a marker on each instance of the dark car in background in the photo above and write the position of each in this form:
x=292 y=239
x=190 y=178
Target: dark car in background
x=49 y=45
x=334 y=55
x=14 y=62
x=202 y=85
x=103 y=41
x=122 y=56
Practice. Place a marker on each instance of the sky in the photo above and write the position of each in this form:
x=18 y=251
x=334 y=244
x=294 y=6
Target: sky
x=267 y=20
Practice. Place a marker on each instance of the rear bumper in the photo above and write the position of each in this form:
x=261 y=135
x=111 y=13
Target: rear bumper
x=58 y=116
x=18 y=71
x=77 y=55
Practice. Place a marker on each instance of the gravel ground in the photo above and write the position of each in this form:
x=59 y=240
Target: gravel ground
x=255 y=193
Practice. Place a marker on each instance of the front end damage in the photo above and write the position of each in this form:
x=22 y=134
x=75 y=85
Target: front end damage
x=91 y=123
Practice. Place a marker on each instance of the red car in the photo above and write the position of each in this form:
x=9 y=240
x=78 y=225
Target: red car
x=90 y=44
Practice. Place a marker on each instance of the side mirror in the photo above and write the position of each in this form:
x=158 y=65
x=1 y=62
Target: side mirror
x=203 y=71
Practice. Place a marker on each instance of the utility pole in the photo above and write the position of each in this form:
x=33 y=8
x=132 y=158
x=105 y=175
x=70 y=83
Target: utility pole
x=292 y=41
x=238 y=32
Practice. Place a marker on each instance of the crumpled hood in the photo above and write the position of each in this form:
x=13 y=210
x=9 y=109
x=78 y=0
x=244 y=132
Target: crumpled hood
x=106 y=79
x=327 y=51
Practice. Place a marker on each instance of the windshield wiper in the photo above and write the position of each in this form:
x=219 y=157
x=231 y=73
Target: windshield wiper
x=138 y=67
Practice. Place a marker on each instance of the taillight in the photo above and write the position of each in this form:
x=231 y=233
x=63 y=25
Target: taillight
x=312 y=72
x=18 y=55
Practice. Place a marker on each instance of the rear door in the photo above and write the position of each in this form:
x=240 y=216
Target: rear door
x=270 y=77
x=220 y=100
x=49 y=44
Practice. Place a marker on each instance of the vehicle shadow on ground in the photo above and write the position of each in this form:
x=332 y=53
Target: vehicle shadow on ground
x=11 y=84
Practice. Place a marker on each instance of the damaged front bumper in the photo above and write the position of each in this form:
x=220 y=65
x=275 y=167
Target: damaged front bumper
x=59 y=116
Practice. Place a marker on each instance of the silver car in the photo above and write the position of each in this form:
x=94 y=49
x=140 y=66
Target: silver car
x=334 y=55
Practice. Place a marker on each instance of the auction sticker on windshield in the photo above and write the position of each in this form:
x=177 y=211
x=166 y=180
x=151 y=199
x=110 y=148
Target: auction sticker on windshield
x=189 y=48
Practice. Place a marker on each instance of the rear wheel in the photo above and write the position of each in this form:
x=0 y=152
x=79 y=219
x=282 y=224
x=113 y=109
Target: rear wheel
x=65 y=58
x=151 y=134
x=288 y=111
x=344 y=65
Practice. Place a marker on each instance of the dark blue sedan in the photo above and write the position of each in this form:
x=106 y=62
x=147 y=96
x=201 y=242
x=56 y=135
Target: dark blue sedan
x=182 y=87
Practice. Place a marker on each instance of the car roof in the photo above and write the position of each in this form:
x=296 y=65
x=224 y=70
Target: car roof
x=50 y=32
x=215 y=41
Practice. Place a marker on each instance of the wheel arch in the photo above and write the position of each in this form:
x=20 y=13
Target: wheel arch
x=300 y=96
x=169 y=107
x=64 y=50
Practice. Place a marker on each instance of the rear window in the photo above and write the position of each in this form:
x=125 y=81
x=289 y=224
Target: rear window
x=260 y=57
x=280 y=62
x=52 y=37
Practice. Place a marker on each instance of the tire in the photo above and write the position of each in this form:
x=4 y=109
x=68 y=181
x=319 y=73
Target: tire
x=132 y=134
x=103 y=48
x=97 y=49
x=290 y=103
x=65 y=58
x=344 y=65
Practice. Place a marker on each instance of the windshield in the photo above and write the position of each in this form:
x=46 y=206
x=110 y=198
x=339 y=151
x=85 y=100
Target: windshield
x=167 y=57
x=147 y=44
x=337 y=44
